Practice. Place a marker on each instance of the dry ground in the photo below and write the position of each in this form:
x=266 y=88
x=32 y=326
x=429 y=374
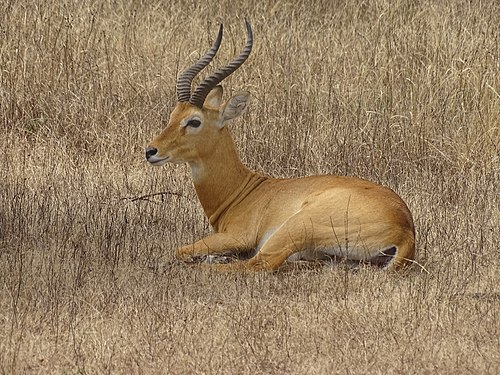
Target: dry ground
x=405 y=93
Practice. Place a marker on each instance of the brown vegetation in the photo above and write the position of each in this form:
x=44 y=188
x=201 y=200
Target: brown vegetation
x=404 y=93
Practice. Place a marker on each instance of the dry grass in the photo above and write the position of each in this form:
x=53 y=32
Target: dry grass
x=405 y=93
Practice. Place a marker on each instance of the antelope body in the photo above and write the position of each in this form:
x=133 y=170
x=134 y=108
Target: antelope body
x=309 y=218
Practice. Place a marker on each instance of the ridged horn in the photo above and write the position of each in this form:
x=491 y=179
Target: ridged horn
x=186 y=78
x=201 y=92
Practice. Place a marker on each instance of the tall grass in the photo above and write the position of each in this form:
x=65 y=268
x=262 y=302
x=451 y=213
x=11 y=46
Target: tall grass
x=405 y=93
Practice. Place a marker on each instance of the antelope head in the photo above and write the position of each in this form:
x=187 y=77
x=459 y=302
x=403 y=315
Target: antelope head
x=197 y=120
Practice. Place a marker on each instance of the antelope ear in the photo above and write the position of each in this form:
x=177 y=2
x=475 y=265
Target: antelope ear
x=214 y=97
x=234 y=107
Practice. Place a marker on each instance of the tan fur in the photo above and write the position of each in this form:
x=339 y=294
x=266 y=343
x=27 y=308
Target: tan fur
x=315 y=216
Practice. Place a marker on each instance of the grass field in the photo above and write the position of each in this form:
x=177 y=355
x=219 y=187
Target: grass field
x=404 y=93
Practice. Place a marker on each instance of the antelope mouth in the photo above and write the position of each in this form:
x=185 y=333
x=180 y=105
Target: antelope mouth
x=158 y=161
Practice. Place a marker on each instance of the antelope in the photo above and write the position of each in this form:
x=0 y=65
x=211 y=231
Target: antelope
x=275 y=220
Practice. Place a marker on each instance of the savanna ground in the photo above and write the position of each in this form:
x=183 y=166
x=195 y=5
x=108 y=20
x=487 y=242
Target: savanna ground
x=405 y=93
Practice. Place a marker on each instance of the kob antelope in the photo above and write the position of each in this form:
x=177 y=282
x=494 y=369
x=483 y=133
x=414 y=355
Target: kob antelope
x=308 y=218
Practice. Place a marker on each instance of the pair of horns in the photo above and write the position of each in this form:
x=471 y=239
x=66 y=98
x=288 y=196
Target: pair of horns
x=200 y=93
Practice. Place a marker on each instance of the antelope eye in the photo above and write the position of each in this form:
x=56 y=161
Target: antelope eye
x=194 y=123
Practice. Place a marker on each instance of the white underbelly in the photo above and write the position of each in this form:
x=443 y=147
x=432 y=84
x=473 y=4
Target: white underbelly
x=355 y=253
x=325 y=254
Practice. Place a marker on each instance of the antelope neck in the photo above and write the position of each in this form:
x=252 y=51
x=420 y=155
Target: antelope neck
x=222 y=180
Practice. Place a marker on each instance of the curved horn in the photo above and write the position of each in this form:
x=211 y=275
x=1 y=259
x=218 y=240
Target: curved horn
x=201 y=92
x=186 y=77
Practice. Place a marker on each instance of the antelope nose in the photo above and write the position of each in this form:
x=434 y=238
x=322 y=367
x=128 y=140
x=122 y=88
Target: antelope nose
x=150 y=151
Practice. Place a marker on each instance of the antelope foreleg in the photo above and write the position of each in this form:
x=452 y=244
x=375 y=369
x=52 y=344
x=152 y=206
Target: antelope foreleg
x=295 y=235
x=215 y=244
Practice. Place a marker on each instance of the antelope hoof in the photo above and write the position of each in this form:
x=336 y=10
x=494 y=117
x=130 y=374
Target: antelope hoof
x=185 y=255
x=214 y=259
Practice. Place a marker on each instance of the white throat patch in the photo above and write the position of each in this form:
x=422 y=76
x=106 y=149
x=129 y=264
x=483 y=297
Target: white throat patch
x=196 y=171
